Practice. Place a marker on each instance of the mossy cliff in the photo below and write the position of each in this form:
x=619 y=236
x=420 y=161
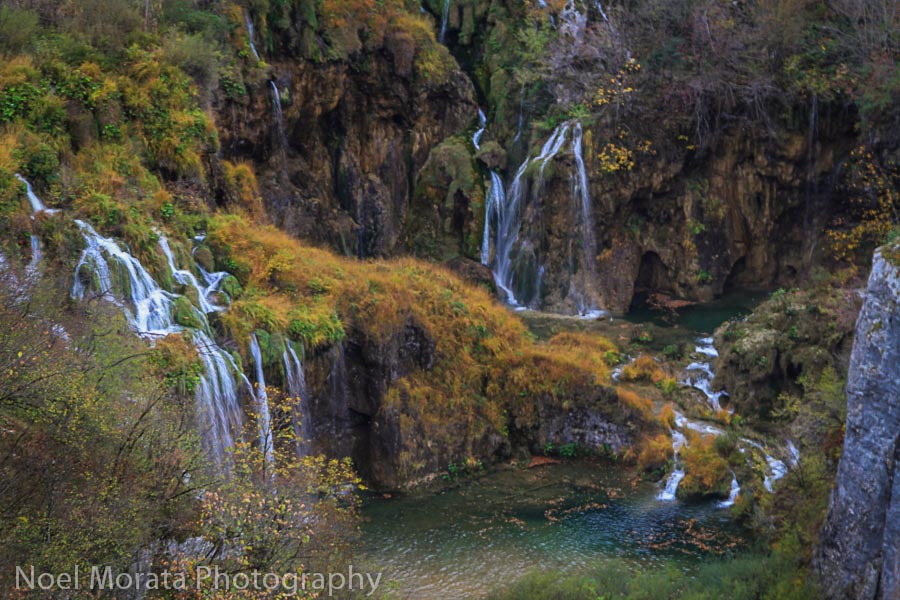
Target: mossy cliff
x=409 y=369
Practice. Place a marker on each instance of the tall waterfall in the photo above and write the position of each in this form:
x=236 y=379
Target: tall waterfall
x=251 y=33
x=296 y=381
x=109 y=270
x=279 y=119
x=445 y=16
x=517 y=267
x=583 y=293
x=495 y=200
x=264 y=421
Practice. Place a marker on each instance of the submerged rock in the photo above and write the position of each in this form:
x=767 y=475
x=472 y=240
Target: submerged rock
x=860 y=552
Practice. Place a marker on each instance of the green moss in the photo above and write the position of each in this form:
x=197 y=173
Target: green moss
x=185 y=314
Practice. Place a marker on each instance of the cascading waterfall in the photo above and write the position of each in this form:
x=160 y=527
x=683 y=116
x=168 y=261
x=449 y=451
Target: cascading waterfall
x=495 y=200
x=482 y=124
x=668 y=493
x=732 y=493
x=504 y=219
x=700 y=375
x=279 y=119
x=496 y=197
x=776 y=469
x=106 y=268
x=585 y=304
x=264 y=421
x=445 y=16
x=37 y=206
x=296 y=382
x=186 y=278
x=251 y=33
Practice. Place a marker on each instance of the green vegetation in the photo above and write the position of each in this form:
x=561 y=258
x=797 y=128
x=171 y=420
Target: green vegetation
x=98 y=434
x=748 y=578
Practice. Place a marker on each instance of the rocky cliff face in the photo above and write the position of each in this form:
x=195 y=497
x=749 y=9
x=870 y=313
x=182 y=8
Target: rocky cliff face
x=355 y=137
x=860 y=552
x=395 y=444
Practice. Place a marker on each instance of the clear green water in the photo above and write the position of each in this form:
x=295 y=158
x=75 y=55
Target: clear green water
x=491 y=530
x=698 y=318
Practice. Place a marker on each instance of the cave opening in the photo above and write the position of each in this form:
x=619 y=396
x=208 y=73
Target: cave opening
x=653 y=276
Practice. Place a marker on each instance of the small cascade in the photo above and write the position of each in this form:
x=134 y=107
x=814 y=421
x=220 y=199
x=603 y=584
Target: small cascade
x=251 y=33
x=186 y=278
x=699 y=374
x=679 y=440
x=36 y=254
x=732 y=494
x=107 y=269
x=264 y=422
x=445 y=16
x=551 y=148
x=37 y=206
x=296 y=382
x=668 y=494
x=482 y=124
x=279 y=120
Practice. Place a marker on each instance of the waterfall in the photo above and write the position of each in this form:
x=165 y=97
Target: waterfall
x=551 y=148
x=35 y=254
x=150 y=310
x=186 y=278
x=732 y=494
x=106 y=268
x=699 y=374
x=445 y=15
x=496 y=199
x=679 y=441
x=217 y=396
x=279 y=119
x=584 y=301
x=482 y=124
x=251 y=34
x=509 y=221
x=677 y=474
x=264 y=423
x=505 y=214
x=296 y=382
x=36 y=204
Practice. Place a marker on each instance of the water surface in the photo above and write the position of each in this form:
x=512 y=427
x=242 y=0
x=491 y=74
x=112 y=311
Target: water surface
x=490 y=530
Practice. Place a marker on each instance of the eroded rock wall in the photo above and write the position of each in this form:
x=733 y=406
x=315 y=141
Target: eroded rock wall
x=859 y=555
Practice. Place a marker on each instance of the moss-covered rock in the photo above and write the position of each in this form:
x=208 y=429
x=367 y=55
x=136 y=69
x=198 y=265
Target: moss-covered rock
x=793 y=333
x=186 y=314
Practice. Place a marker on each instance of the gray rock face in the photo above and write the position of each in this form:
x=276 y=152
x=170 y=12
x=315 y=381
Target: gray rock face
x=860 y=552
